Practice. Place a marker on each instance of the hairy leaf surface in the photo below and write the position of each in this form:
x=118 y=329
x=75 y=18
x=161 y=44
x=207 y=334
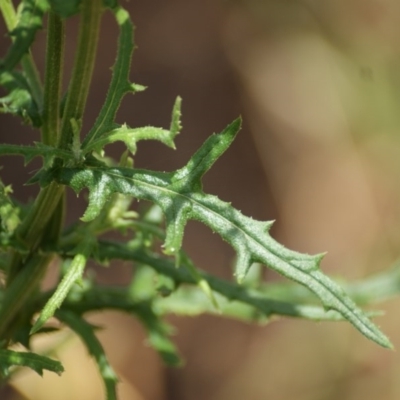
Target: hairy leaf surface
x=130 y=136
x=120 y=84
x=262 y=302
x=73 y=274
x=180 y=196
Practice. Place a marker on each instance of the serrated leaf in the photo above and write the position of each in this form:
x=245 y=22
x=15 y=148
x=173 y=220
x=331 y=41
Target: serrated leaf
x=38 y=363
x=260 y=300
x=158 y=336
x=86 y=332
x=130 y=136
x=181 y=198
x=123 y=299
x=74 y=273
x=176 y=124
x=19 y=100
x=29 y=23
x=120 y=84
x=39 y=150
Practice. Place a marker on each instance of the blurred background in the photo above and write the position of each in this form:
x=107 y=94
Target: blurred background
x=318 y=86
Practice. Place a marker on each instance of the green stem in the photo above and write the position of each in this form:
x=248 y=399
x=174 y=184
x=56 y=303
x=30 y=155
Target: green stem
x=33 y=76
x=27 y=62
x=82 y=70
x=31 y=231
x=53 y=77
x=20 y=292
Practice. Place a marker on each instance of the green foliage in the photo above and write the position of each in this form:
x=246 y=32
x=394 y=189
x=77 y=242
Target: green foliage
x=32 y=234
x=9 y=358
x=23 y=34
x=19 y=100
x=86 y=332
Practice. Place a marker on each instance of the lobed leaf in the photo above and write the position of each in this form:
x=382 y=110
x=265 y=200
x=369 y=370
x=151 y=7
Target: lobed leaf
x=86 y=332
x=38 y=363
x=158 y=333
x=130 y=136
x=39 y=150
x=74 y=273
x=181 y=198
x=120 y=84
x=257 y=299
x=29 y=23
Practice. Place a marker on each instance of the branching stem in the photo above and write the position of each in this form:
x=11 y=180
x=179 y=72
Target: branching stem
x=31 y=230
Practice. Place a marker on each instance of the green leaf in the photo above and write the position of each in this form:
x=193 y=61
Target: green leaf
x=158 y=335
x=74 y=273
x=39 y=150
x=260 y=301
x=29 y=23
x=86 y=332
x=181 y=198
x=120 y=84
x=176 y=124
x=378 y=287
x=9 y=358
x=130 y=136
x=19 y=100
x=9 y=213
x=98 y=298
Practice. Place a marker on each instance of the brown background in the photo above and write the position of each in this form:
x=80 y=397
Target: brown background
x=316 y=85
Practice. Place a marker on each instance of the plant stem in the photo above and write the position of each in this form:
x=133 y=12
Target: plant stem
x=52 y=82
x=82 y=70
x=31 y=231
x=20 y=292
x=33 y=77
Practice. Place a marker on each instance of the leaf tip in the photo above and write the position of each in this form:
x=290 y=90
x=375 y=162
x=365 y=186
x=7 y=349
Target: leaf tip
x=37 y=325
x=240 y=276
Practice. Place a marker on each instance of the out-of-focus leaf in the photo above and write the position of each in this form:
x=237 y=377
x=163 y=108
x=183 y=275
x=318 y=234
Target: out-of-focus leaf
x=9 y=213
x=10 y=358
x=19 y=100
x=39 y=150
x=86 y=332
x=180 y=196
x=29 y=23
